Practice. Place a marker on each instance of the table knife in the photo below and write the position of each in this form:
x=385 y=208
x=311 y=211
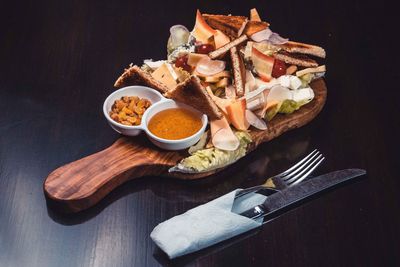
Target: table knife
x=294 y=194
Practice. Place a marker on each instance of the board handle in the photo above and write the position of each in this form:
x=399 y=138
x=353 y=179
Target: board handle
x=82 y=183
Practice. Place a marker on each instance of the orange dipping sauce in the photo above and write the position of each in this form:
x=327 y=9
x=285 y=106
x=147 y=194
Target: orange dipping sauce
x=175 y=123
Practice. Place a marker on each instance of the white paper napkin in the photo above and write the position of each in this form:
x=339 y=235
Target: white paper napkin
x=206 y=225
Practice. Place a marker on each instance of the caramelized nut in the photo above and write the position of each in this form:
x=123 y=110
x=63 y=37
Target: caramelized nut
x=129 y=110
x=114 y=116
x=132 y=120
x=120 y=104
x=139 y=110
x=132 y=105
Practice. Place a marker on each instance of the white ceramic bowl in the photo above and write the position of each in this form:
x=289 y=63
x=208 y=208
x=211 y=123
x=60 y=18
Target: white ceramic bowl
x=173 y=144
x=140 y=91
x=158 y=103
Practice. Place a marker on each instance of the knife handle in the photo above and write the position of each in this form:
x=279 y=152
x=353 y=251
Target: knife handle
x=254 y=213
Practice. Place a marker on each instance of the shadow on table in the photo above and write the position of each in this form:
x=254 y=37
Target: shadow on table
x=249 y=171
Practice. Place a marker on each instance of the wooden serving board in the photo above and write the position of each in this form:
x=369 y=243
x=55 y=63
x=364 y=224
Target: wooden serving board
x=81 y=184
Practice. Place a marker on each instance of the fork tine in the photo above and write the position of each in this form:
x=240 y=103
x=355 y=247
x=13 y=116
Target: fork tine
x=297 y=164
x=308 y=173
x=303 y=174
x=287 y=176
x=301 y=167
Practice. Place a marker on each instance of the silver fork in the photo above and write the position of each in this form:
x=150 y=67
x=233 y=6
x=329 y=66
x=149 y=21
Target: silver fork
x=291 y=176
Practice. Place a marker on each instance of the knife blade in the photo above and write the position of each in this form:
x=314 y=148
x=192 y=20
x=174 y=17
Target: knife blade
x=299 y=192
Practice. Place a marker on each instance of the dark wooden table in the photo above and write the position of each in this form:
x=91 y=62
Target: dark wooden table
x=59 y=60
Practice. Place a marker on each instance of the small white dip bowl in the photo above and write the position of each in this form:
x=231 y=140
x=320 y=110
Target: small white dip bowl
x=158 y=103
x=172 y=144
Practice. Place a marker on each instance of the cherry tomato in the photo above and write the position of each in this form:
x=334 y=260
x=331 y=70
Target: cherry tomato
x=181 y=62
x=204 y=48
x=279 y=68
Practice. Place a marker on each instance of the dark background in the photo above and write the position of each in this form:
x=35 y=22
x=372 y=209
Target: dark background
x=58 y=61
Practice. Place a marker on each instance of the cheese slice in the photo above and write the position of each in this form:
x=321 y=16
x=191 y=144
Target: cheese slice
x=172 y=71
x=164 y=76
x=181 y=74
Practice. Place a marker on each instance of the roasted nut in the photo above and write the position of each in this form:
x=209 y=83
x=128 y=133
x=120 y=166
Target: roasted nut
x=129 y=110
x=139 y=110
x=120 y=104
x=134 y=99
x=132 y=120
x=122 y=116
x=141 y=103
x=132 y=105
x=114 y=116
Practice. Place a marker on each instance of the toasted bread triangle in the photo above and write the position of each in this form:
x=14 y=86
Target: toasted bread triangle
x=296 y=59
x=232 y=26
x=193 y=93
x=255 y=26
x=239 y=73
x=296 y=47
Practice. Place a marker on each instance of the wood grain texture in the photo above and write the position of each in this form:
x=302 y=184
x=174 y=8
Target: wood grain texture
x=81 y=184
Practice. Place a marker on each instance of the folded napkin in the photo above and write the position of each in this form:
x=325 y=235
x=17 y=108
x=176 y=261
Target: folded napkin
x=206 y=225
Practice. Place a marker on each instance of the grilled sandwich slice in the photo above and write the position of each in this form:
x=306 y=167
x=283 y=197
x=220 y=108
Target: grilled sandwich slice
x=193 y=93
x=239 y=71
x=136 y=76
x=255 y=26
x=296 y=59
x=233 y=26
x=296 y=47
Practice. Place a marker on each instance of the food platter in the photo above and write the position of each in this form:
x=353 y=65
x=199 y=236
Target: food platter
x=81 y=184
x=226 y=87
